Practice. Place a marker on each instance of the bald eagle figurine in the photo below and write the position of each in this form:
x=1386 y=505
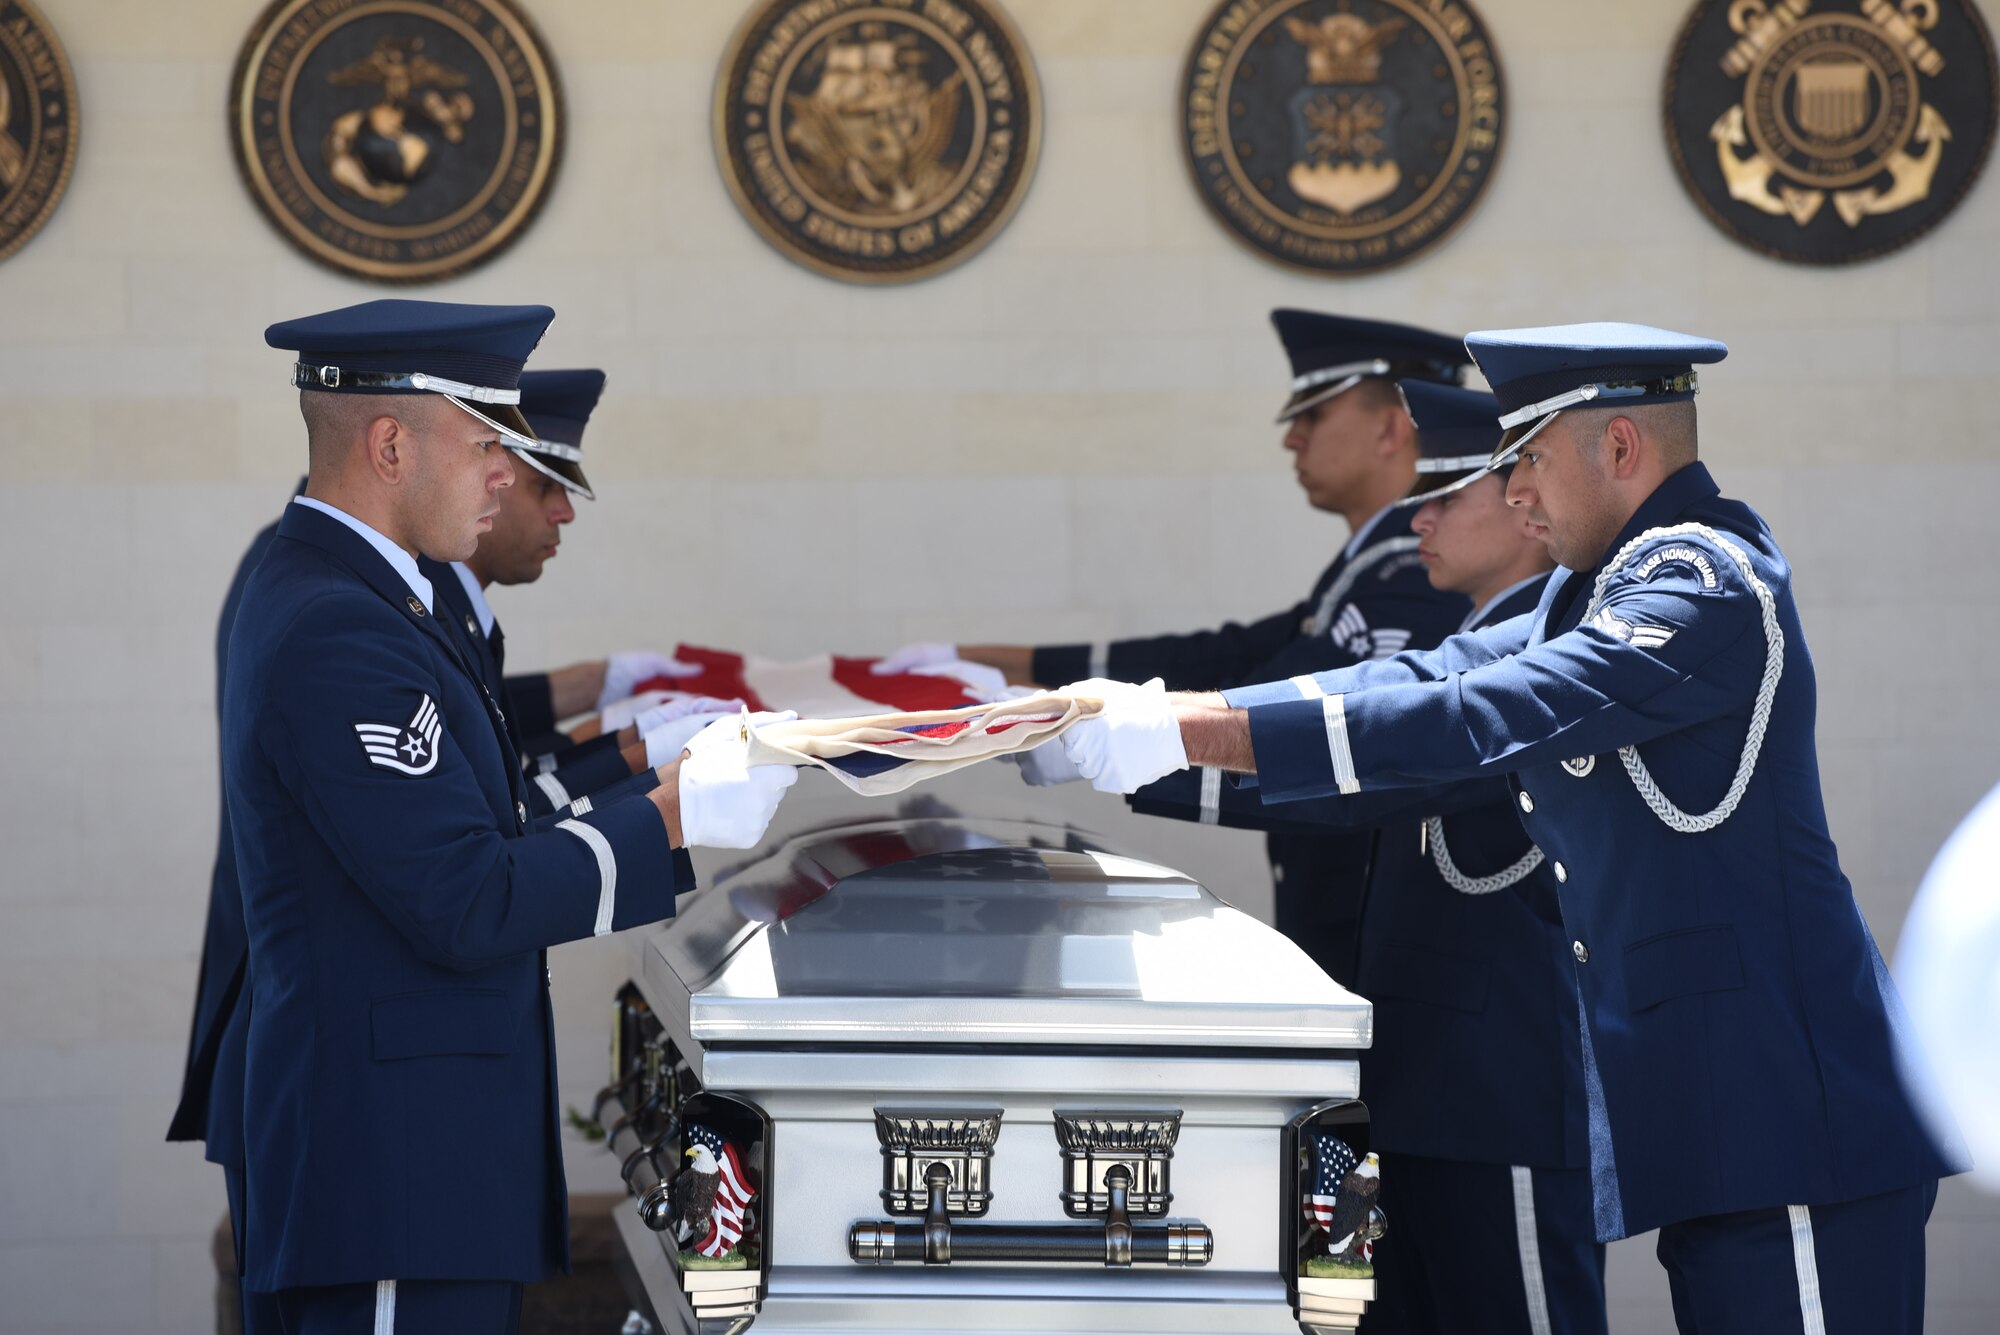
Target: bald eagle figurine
x=1348 y=1230
x=691 y=1196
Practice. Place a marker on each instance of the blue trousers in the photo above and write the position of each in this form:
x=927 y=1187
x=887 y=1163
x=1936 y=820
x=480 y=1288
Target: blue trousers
x=399 y=1307
x=1485 y=1248
x=260 y=1310
x=1852 y=1268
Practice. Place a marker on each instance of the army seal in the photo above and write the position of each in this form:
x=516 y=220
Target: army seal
x=1830 y=131
x=37 y=123
x=1342 y=136
x=878 y=141
x=399 y=140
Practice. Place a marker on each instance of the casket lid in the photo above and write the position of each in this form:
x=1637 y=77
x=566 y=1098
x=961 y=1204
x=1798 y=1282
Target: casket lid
x=960 y=932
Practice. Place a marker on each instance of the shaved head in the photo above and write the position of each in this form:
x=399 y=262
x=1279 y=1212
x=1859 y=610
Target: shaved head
x=337 y=424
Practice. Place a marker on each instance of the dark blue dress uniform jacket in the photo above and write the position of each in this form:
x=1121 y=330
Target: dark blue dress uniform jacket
x=1475 y=1055
x=400 y=1083
x=559 y=772
x=223 y=946
x=1740 y=1051
x=1381 y=602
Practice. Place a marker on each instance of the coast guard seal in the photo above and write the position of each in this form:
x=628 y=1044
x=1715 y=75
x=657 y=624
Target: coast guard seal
x=37 y=123
x=1342 y=136
x=401 y=140
x=1830 y=131
x=877 y=141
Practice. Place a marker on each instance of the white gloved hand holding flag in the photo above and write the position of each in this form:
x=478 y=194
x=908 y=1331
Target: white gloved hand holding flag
x=1135 y=741
x=726 y=802
x=623 y=673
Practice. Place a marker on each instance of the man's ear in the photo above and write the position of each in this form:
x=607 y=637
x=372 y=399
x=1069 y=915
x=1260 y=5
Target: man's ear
x=1627 y=444
x=388 y=443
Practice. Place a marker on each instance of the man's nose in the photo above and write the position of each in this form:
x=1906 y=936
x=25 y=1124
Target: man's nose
x=1519 y=493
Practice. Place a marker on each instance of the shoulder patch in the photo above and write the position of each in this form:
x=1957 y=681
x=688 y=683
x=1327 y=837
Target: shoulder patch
x=1699 y=562
x=1397 y=566
x=408 y=748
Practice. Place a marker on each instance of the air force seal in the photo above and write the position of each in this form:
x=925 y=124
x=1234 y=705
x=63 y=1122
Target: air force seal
x=1828 y=131
x=409 y=748
x=1342 y=136
x=401 y=140
x=37 y=123
x=877 y=140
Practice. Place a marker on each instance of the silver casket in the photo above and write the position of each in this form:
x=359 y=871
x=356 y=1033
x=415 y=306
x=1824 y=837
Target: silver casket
x=979 y=1076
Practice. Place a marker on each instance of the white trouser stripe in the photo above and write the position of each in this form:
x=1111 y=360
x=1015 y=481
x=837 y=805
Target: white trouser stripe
x=1308 y=688
x=1528 y=1238
x=385 y=1307
x=1334 y=709
x=1807 y=1265
x=607 y=872
x=1211 y=794
x=1100 y=660
x=550 y=784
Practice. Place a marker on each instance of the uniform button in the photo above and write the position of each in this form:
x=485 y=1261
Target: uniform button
x=1527 y=803
x=548 y=976
x=416 y=605
x=521 y=812
x=1581 y=951
x=1562 y=874
x=470 y=629
x=1277 y=873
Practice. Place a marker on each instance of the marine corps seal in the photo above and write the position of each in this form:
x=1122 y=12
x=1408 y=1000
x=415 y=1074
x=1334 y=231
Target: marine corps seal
x=1829 y=131
x=1342 y=136
x=399 y=140
x=878 y=140
x=37 y=123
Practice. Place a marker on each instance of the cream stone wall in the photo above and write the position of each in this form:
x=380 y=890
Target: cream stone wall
x=1068 y=435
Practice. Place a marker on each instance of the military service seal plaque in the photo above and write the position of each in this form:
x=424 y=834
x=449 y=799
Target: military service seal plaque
x=1830 y=131
x=878 y=141
x=1342 y=136
x=398 y=140
x=37 y=123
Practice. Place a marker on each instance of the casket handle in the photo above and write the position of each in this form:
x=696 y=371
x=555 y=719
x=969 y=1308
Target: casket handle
x=1116 y=1243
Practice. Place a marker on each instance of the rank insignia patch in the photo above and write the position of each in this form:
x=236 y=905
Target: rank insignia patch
x=1635 y=633
x=1829 y=131
x=410 y=748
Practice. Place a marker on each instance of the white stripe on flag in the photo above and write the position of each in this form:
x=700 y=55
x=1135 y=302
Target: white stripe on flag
x=808 y=687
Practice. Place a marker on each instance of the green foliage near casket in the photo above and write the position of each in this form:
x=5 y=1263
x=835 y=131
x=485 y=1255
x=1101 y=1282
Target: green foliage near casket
x=1325 y=1267
x=583 y=1126
x=729 y=1260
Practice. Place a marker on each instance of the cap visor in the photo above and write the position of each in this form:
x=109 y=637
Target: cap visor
x=1430 y=486
x=1312 y=398
x=506 y=418
x=1515 y=437
x=562 y=470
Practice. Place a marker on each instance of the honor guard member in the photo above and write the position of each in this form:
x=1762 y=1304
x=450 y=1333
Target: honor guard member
x=1354 y=452
x=525 y=535
x=398 y=903
x=1474 y=1080
x=219 y=978
x=1654 y=719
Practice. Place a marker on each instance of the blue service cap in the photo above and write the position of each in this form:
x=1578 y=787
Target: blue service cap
x=558 y=405
x=471 y=355
x=1456 y=433
x=1331 y=354
x=1537 y=373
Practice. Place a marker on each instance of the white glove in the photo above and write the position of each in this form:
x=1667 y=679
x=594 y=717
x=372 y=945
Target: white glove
x=667 y=739
x=726 y=802
x=1135 y=741
x=916 y=657
x=1046 y=766
x=623 y=673
x=622 y=713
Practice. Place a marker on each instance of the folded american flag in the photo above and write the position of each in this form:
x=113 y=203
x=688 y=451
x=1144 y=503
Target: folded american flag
x=828 y=686
x=887 y=753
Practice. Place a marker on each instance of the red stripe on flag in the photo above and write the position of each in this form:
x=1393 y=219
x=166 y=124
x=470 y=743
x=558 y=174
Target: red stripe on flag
x=900 y=692
x=721 y=676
